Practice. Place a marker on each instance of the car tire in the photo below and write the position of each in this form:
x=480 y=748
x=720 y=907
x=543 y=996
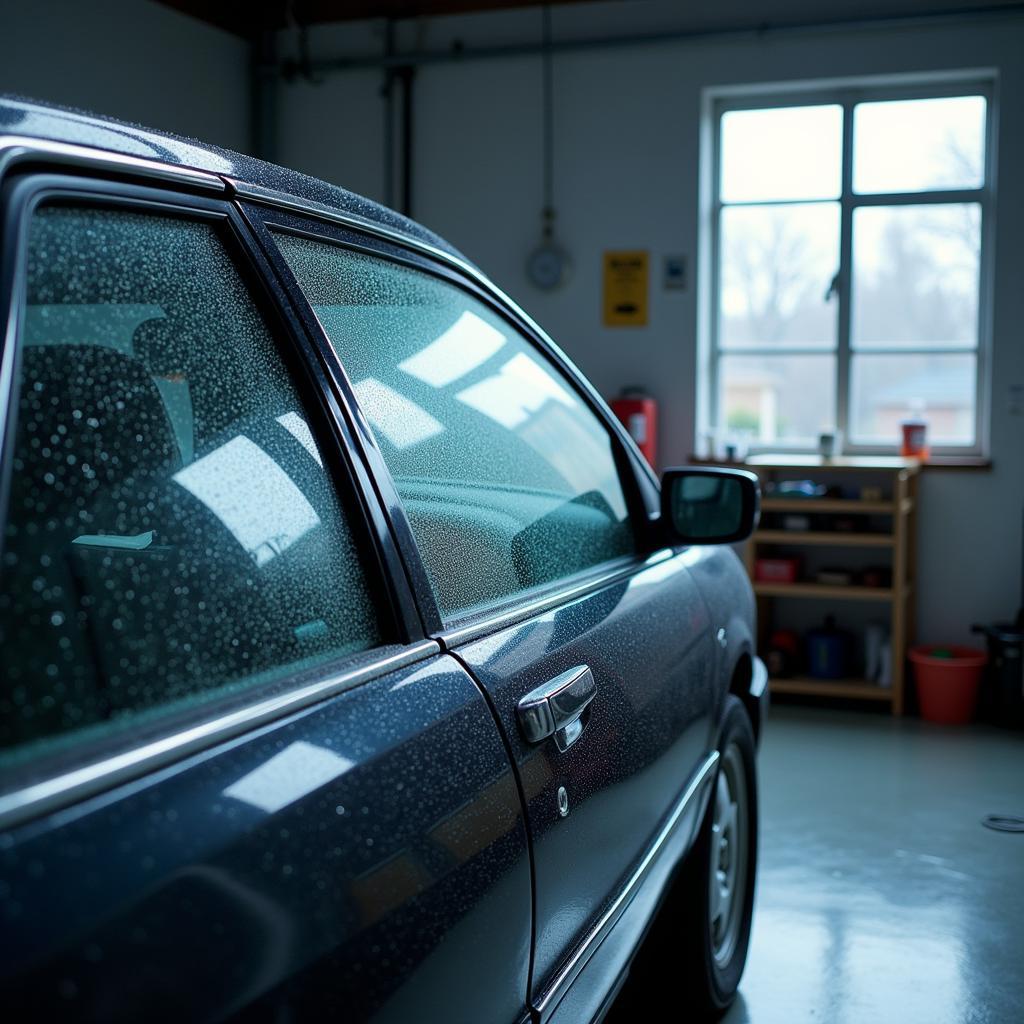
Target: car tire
x=700 y=936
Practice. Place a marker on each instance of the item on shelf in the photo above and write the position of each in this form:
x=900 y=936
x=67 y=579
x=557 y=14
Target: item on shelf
x=885 y=665
x=871 y=492
x=876 y=576
x=799 y=489
x=828 y=650
x=847 y=524
x=876 y=637
x=783 y=655
x=830 y=443
x=777 y=570
x=834 y=577
x=914 y=433
x=797 y=522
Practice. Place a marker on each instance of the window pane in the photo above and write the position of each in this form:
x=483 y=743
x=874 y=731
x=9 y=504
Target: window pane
x=916 y=145
x=915 y=275
x=508 y=480
x=886 y=388
x=781 y=153
x=768 y=399
x=777 y=264
x=171 y=531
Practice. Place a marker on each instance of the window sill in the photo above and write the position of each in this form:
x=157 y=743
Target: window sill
x=957 y=462
x=763 y=461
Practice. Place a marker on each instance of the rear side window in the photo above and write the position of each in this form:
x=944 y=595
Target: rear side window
x=171 y=531
x=508 y=479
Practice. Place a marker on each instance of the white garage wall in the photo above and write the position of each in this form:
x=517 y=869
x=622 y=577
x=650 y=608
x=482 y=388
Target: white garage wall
x=130 y=59
x=627 y=163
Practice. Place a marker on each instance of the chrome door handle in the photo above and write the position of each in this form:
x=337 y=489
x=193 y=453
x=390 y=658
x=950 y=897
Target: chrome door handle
x=558 y=707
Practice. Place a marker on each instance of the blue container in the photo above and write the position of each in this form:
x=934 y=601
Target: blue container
x=828 y=651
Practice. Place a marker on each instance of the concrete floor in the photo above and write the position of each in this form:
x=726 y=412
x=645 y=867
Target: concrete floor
x=880 y=895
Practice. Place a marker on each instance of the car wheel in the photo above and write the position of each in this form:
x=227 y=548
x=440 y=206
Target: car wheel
x=700 y=937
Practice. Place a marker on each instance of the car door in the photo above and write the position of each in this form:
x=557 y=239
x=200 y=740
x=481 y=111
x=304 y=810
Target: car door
x=541 y=577
x=238 y=779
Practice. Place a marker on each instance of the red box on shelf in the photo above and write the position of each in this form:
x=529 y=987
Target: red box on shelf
x=777 y=570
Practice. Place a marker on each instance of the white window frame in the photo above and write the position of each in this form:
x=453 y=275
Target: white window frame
x=846 y=94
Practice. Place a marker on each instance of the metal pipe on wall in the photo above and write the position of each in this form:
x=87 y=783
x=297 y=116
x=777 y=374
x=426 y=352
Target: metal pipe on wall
x=460 y=54
x=406 y=76
x=388 y=92
x=263 y=108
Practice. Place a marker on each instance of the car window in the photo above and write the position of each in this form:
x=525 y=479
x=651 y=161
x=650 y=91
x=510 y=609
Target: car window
x=171 y=531
x=509 y=481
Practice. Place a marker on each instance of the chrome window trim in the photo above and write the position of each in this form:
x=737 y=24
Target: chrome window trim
x=557 y=988
x=474 y=630
x=15 y=149
x=57 y=792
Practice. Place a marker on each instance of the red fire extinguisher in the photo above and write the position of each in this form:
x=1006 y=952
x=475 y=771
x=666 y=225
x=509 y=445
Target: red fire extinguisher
x=639 y=414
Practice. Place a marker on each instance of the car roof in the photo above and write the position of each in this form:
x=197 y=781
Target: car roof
x=30 y=118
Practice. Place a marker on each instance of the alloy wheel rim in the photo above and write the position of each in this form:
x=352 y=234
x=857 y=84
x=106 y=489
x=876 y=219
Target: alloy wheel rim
x=729 y=851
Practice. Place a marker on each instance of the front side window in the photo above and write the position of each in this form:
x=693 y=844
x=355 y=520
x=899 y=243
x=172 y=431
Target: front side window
x=171 y=532
x=509 y=481
x=848 y=236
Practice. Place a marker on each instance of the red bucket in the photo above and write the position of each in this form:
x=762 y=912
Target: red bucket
x=947 y=685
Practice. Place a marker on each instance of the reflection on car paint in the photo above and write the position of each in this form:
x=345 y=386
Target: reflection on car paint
x=288 y=776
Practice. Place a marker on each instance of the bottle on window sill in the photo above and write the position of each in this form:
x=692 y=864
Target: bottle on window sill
x=914 y=433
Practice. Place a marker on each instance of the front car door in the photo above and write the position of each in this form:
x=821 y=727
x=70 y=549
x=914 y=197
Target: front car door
x=527 y=539
x=237 y=778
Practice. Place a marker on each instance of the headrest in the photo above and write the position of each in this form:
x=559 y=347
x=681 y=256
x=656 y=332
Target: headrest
x=166 y=347
x=103 y=398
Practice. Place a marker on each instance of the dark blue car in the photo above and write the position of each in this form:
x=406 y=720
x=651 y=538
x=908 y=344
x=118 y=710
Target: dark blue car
x=355 y=664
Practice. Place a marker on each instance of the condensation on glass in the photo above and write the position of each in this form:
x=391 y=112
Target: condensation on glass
x=507 y=479
x=171 y=532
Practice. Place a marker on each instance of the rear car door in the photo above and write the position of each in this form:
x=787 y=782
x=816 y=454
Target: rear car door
x=527 y=540
x=238 y=780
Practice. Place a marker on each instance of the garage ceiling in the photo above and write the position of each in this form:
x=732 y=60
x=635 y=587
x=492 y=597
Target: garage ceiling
x=244 y=18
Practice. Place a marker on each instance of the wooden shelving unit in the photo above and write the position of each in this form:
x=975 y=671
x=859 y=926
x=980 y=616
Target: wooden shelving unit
x=809 y=537
x=848 y=689
x=898 y=479
x=823 y=590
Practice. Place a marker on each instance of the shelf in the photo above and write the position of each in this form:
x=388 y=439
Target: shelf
x=851 y=592
x=853 y=506
x=850 y=689
x=831 y=539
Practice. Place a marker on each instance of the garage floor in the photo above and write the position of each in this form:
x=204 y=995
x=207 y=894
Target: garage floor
x=881 y=897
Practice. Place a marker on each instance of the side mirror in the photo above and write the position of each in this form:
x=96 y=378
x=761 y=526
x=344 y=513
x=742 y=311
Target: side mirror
x=709 y=506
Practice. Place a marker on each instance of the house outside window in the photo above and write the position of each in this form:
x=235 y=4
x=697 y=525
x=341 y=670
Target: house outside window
x=850 y=256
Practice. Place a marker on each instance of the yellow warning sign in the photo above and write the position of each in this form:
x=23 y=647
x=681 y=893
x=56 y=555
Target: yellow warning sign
x=625 y=289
